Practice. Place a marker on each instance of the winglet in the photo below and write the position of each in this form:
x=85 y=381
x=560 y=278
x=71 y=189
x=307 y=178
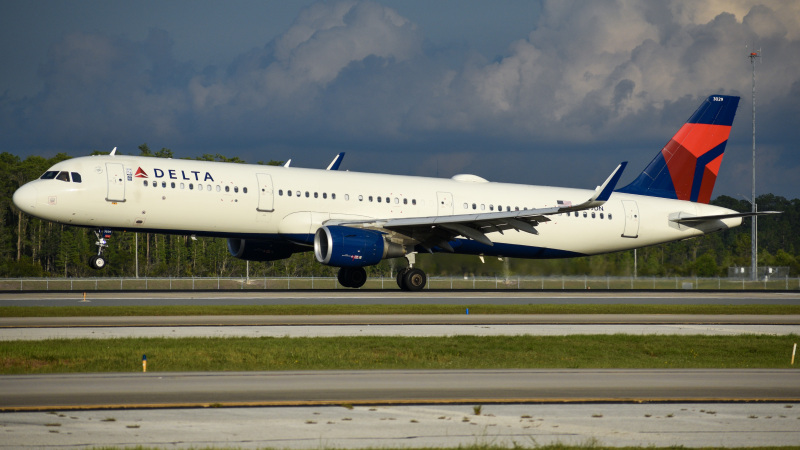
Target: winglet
x=334 y=165
x=602 y=193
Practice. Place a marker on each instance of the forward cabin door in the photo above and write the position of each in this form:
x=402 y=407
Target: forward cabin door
x=115 y=174
x=631 y=219
x=265 y=195
x=445 y=202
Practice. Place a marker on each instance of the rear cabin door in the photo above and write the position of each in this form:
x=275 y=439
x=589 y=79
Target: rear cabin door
x=631 y=219
x=265 y=194
x=445 y=202
x=115 y=174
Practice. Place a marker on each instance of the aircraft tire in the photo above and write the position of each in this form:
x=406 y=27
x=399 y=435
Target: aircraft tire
x=352 y=277
x=401 y=278
x=97 y=262
x=415 y=280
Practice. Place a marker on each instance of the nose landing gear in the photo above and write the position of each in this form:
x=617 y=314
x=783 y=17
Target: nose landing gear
x=97 y=261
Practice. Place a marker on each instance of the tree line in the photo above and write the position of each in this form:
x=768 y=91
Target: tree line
x=30 y=247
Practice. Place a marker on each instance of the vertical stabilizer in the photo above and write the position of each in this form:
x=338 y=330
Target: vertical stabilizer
x=687 y=167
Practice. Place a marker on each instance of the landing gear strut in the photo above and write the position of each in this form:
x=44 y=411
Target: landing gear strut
x=352 y=277
x=97 y=261
x=409 y=278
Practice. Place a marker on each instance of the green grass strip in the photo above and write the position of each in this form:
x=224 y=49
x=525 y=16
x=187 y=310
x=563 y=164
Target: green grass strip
x=225 y=310
x=371 y=353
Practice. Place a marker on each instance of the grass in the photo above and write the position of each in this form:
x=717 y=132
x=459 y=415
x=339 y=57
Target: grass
x=227 y=310
x=373 y=353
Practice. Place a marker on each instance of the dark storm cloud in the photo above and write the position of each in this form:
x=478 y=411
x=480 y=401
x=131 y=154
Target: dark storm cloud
x=593 y=83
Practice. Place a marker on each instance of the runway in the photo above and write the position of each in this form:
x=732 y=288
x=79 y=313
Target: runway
x=615 y=407
x=277 y=388
x=41 y=328
x=360 y=297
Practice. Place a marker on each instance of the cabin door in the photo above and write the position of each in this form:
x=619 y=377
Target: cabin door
x=115 y=174
x=631 y=219
x=265 y=194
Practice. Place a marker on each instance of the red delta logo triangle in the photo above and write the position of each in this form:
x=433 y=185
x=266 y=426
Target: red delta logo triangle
x=140 y=173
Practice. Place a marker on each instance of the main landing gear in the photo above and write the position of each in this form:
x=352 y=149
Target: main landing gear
x=97 y=261
x=408 y=279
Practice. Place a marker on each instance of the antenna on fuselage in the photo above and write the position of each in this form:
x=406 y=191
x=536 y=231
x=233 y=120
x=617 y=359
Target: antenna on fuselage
x=113 y=151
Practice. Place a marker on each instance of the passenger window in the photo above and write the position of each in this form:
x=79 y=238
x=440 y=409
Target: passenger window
x=145 y=183
x=324 y=195
x=601 y=215
x=466 y=206
x=387 y=199
x=474 y=206
x=236 y=189
x=413 y=201
x=181 y=185
x=227 y=188
x=333 y=197
x=361 y=198
x=405 y=201
x=370 y=198
x=280 y=192
x=191 y=186
x=289 y=193
x=593 y=215
x=218 y=188
x=396 y=201
x=63 y=176
x=172 y=184
x=316 y=195
x=199 y=187
x=244 y=190
x=379 y=199
x=584 y=214
x=208 y=186
x=609 y=216
x=297 y=193
x=76 y=177
x=163 y=184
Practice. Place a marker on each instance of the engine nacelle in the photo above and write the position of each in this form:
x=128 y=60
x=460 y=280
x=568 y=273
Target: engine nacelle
x=259 y=250
x=353 y=247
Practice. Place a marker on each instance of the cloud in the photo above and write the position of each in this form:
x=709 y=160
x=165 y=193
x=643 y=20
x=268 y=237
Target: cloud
x=358 y=75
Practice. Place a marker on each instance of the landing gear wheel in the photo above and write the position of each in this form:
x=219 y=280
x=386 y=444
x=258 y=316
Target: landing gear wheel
x=97 y=262
x=352 y=277
x=415 y=280
x=401 y=277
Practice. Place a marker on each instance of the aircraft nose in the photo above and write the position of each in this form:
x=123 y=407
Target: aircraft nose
x=25 y=198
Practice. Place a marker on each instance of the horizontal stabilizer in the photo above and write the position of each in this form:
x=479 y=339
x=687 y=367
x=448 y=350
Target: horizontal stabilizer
x=697 y=219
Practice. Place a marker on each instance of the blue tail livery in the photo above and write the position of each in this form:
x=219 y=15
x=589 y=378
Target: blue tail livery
x=687 y=167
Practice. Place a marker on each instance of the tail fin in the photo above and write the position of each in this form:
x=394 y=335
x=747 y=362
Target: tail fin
x=687 y=167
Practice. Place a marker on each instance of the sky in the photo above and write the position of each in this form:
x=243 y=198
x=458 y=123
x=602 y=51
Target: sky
x=533 y=92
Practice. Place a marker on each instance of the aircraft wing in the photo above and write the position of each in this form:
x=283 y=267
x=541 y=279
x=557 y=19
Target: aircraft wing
x=437 y=231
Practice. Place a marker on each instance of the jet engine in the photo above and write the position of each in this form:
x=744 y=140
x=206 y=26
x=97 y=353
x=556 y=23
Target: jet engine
x=259 y=250
x=353 y=247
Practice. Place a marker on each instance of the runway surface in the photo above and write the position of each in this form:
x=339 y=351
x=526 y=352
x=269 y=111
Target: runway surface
x=358 y=297
x=409 y=426
x=40 y=328
x=614 y=407
x=193 y=389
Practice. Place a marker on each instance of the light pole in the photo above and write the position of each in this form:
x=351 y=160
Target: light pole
x=754 y=223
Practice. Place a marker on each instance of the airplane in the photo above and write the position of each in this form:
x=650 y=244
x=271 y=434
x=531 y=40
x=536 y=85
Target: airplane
x=354 y=220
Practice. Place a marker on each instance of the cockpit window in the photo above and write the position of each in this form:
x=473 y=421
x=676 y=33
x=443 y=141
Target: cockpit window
x=63 y=176
x=49 y=175
x=76 y=177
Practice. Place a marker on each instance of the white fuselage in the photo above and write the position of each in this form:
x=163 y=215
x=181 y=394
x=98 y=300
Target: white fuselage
x=251 y=201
